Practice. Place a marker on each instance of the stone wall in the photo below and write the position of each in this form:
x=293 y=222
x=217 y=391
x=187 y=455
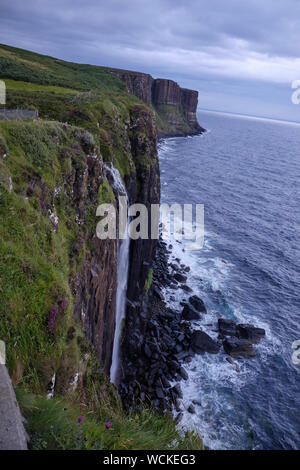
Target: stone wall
x=12 y=433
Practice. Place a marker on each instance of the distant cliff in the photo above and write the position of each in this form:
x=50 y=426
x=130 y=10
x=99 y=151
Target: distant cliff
x=175 y=107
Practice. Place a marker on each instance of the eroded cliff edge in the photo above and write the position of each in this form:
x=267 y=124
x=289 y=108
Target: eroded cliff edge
x=175 y=107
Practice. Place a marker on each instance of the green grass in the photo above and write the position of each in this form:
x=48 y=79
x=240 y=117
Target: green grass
x=103 y=114
x=64 y=78
x=106 y=195
x=26 y=66
x=14 y=85
x=83 y=110
x=36 y=261
x=53 y=424
x=148 y=282
x=167 y=116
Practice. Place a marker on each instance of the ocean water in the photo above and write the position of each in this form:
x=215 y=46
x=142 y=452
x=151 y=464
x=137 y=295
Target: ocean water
x=246 y=172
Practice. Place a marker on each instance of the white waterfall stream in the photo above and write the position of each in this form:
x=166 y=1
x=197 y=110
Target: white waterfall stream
x=114 y=178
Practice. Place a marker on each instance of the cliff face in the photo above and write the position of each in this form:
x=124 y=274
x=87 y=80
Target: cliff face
x=189 y=101
x=53 y=173
x=166 y=92
x=96 y=284
x=175 y=107
x=58 y=280
x=138 y=84
x=143 y=188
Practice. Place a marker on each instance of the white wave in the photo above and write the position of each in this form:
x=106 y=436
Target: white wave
x=210 y=374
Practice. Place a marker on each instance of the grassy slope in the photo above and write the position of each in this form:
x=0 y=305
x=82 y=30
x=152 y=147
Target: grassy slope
x=35 y=262
x=53 y=424
x=61 y=77
x=83 y=95
x=19 y=64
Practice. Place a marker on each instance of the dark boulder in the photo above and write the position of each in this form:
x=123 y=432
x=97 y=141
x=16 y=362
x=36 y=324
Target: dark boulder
x=180 y=337
x=160 y=393
x=191 y=409
x=178 y=405
x=189 y=313
x=197 y=402
x=227 y=327
x=186 y=288
x=238 y=347
x=180 y=277
x=197 y=303
x=250 y=333
x=235 y=365
x=173 y=365
x=183 y=355
x=165 y=382
x=201 y=342
x=177 y=391
x=157 y=292
x=170 y=314
x=174 y=267
x=183 y=373
x=147 y=351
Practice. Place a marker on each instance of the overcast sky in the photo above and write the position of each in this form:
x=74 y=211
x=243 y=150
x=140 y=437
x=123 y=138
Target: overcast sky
x=241 y=55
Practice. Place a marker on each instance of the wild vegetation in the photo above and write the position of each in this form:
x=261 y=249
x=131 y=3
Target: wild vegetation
x=83 y=111
x=62 y=423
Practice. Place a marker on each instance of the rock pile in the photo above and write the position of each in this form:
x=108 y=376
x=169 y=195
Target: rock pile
x=238 y=339
x=163 y=339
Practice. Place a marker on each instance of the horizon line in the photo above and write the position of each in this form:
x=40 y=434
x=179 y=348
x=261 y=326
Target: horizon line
x=253 y=116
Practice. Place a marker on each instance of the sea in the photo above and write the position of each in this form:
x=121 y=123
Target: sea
x=246 y=173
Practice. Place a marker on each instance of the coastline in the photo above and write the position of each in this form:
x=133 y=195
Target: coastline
x=162 y=135
x=172 y=337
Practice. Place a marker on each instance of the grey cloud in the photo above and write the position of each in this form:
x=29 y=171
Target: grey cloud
x=270 y=26
x=195 y=40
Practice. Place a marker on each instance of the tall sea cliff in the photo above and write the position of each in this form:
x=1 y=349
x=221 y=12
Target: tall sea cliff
x=175 y=107
x=59 y=282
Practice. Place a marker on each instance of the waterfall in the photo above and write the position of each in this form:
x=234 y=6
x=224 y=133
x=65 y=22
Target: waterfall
x=114 y=178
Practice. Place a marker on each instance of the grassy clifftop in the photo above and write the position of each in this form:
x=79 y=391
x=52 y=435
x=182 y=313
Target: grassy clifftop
x=20 y=64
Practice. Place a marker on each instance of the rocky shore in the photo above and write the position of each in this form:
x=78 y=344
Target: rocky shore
x=164 y=339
